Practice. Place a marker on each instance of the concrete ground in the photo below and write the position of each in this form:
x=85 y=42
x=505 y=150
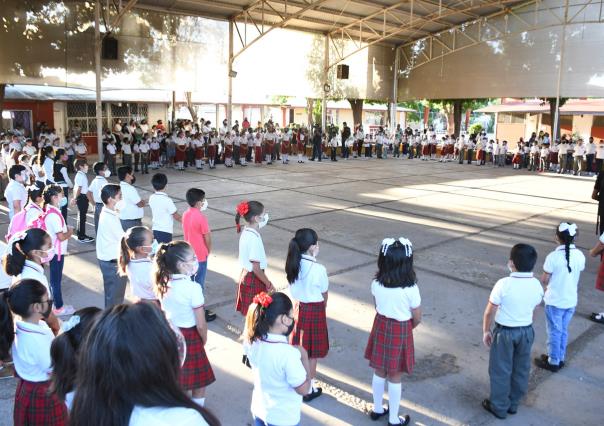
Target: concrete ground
x=462 y=221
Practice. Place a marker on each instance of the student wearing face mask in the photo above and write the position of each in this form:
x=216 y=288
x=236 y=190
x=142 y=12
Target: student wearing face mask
x=29 y=339
x=80 y=198
x=252 y=257
x=308 y=285
x=15 y=192
x=131 y=206
x=101 y=172
x=183 y=302
x=61 y=178
x=281 y=371
x=136 y=248
x=197 y=232
x=163 y=209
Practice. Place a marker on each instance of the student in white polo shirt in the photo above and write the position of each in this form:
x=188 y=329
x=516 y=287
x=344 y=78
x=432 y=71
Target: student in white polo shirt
x=131 y=206
x=561 y=272
x=15 y=192
x=163 y=210
x=80 y=198
x=281 y=371
x=511 y=304
x=101 y=172
x=599 y=155
x=108 y=240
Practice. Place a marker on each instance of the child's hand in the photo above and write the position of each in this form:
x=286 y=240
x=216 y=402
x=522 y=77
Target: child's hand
x=72 y=202
x=487 y=339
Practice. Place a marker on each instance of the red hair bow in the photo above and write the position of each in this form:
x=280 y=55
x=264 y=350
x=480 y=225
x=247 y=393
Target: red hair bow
x=263 y=299
x=243 y=208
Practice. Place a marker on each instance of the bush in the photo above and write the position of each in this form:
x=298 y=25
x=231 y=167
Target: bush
x=475 y=128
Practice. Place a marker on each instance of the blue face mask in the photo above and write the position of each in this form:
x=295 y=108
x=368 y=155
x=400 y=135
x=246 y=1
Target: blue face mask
x=63 y=202
x=154 y=247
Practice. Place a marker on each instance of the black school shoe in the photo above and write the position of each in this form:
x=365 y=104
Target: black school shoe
x=402 y=421
x=544 y=364
x=376 y=416
x=210 y=316
x=486 y=404
x=314 y=394
x=545 y=358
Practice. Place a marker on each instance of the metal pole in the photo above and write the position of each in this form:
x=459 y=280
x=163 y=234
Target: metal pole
x=325 y=78
x=557 y=112
x=394 y=102
x=229 y=110
x=97 y=65
x=172 y=124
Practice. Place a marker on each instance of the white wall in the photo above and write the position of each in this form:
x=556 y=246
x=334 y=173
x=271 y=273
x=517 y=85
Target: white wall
x=582 y=125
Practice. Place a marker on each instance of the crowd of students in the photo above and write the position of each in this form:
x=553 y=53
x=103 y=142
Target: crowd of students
x=67 y=370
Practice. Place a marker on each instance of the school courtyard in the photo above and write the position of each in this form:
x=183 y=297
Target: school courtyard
x=462 y=221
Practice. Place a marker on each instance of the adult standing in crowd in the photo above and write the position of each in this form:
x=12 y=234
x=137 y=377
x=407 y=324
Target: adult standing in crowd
x=345 y=136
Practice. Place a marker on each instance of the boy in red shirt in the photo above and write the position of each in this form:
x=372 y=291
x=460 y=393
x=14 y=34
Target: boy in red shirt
x=197 y=233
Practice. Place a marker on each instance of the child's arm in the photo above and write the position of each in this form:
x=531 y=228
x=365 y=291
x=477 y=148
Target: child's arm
x=177 y=216
x=304 y=388
x=200 y=323
x=597 y=249
x=207 y=238
x=262 y=276
x=487 y=320
x=325 y=295
x=416 y=316
x=545 y=277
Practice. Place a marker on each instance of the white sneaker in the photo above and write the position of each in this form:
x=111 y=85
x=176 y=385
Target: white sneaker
x=65 y=310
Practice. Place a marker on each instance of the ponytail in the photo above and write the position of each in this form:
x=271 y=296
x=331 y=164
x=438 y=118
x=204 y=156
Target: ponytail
x=166 y=264
x=247 y=210
x=20 y=247
x=261 y=316
x=237 y=225
x=298 y=245
x=132 y=239
x=124 y=258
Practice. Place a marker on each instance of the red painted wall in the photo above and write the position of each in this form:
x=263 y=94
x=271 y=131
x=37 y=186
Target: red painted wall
x=597 y=132
x=40 y=110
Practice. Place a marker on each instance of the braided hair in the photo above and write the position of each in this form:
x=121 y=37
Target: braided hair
x=565 y=238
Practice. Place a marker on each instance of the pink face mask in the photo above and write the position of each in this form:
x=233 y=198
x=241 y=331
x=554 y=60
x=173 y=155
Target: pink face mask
x=50 y=253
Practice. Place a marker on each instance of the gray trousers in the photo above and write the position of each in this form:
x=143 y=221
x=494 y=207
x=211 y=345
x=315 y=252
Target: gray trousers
x=129 y=223
x=97 y=213
x=113 y=284
x=509 y=366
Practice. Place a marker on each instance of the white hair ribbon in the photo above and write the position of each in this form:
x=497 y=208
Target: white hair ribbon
x=386 y=243
x=408 y=246
x=19 y=236
x=571 y=228
x=70 y=323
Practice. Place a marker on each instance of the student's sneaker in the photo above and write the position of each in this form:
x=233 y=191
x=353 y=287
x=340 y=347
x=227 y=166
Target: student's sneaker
x=63 y=311
x=85 y=239
x=7 y=372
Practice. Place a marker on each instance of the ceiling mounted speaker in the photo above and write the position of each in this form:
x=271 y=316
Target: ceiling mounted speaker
x=109 y=49
x=342 y=72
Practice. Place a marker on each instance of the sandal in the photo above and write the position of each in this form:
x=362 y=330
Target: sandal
x=597 y=317
x=376 y=416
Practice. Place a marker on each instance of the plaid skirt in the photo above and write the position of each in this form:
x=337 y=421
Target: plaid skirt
x=390 y=345
x=179 y=155
x=425 y=149
x=228 y=151
x=154 y=155
x=516 y=159
x=310 y=329
x=249 y=286
x=211 y=151
x=34 y=405
x=196 y=372
x=600 y=276
x=258 y=154
x=199 y=153
x=284 y=147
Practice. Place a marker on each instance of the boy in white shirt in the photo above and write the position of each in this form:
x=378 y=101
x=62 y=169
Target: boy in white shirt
x=144 y=149
x=111 y=154
x=94 y=190
x=108 y=242
x=15 y=192
x=131 y=206
x=80 y=198
x=163 y=210
x=579 y=157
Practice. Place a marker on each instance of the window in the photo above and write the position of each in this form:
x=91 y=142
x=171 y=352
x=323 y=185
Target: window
x=129 y=111
x=85 y=114
x=510 y=118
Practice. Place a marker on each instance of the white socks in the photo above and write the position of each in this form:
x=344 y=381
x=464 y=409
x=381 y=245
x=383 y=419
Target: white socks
x=377 y=384
x=394 y=400
x=199 y=401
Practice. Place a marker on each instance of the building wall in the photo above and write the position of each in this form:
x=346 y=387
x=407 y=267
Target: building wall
x=157 y=112
x=510 y=132
x=582 y=125
x=41 y=110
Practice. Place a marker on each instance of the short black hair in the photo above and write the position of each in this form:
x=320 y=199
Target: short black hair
x=109 y=191
x=122 y=171
x=159 y=181
x=15 y=170
x=524 y=257
x=98 y=167
x=194 y=195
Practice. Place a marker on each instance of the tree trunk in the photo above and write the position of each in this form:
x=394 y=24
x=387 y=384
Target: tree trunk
x=555 y=128
x=357 y=111
x=310 y=106
x=191 y=107
x=457 y=107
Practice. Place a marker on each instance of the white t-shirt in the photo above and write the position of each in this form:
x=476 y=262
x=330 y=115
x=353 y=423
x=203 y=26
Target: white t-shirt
x=312 y=281
x=31 y=270
x=600 y=150
x=31 y=351
x=516 y=297
x=165 y=416
x=29 y=150
x=140 y=276
x=81 y=181
x=251 y=249
x=55 y=224
x=395 y=303
x=127 y=207
x=183 y=296
x=278 y=370
x=111 y=149
x=95 y=187
x=162 y=209
x=561 y=290
x=109 y=235
x=15 y=191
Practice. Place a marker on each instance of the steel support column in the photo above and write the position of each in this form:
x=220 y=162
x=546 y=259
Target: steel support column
x=325 y=81
x=97 y=70
x=394 y=100
x=562 y=46
x=229 y=108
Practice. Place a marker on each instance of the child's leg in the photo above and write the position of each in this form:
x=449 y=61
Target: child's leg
x=566 y=317
x=553 y=317
x=395 y=391
x=377 y=384
x=198 y=396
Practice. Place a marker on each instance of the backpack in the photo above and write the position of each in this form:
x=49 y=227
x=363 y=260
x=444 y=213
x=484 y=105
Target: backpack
x=19 y=222
x=40 y=223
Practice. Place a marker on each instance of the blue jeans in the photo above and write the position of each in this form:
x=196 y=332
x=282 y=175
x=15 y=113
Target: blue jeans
x=200 y=276
x=260 y=422
x=557 y=321
x=162 y=237
x=56 y=275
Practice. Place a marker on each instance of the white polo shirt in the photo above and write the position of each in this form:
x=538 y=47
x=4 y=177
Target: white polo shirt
x=278 y=370
x=165 y=416
x=95 y=187
x=109 y=235
x=561 y=290
x=140 y=276
x=15 y=191
x=516 y=297
x=81 y=181
x=395 y=303
x=31 y=351
x=111 y=149
x=600 y=150
x=33 y=271
x=183 y=296
x=55 y=224
x=162 y=209
x=312 y=281
x=251 y=249
x=127 y=207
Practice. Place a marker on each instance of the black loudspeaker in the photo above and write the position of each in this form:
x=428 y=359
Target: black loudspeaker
x=109 y=48
x=342 y=72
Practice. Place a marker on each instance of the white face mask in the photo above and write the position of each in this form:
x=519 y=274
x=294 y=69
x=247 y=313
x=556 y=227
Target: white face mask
x=190 y=268
x=263 y=221
x=204 y=205
x=107 y=173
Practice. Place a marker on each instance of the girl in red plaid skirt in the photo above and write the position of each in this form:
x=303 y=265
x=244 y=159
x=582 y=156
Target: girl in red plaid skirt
x=308 y=284
x=30 y=338
x=390 y=348
x=252 y=257
x=598 y=250
x=182 y=301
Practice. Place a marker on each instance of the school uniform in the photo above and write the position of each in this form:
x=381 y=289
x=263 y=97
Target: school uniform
x=162 y=210
x=561 y=298
x=390 y=344
x=198 y=146
x=228 y=152
x=81 y=151
x=130 y=214
x=301 y=146
x=277 y=368
x=515 y=297
x=213 y=150
x=269 y=139
x=180 y=154
x=61 y=178
x=55 y=223
x=251 y=249
x=144 y=150
x=31 y=270
x=590 y=153
x=108 y=240
x=258 y=149
x=579 y=156
x=285 y=147
x=15 y=191
x=81 y=181
x=310 y=328
x=154 y=155
x=140 y=277
x=127 y=155
x=165 y=416
x=111 y=154
x=179 y=303
x=34 y=405
x=544 y=159
x=95 y=188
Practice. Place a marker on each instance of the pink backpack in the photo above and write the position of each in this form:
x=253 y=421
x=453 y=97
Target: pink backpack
x=40 y=223
x=19 y=222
